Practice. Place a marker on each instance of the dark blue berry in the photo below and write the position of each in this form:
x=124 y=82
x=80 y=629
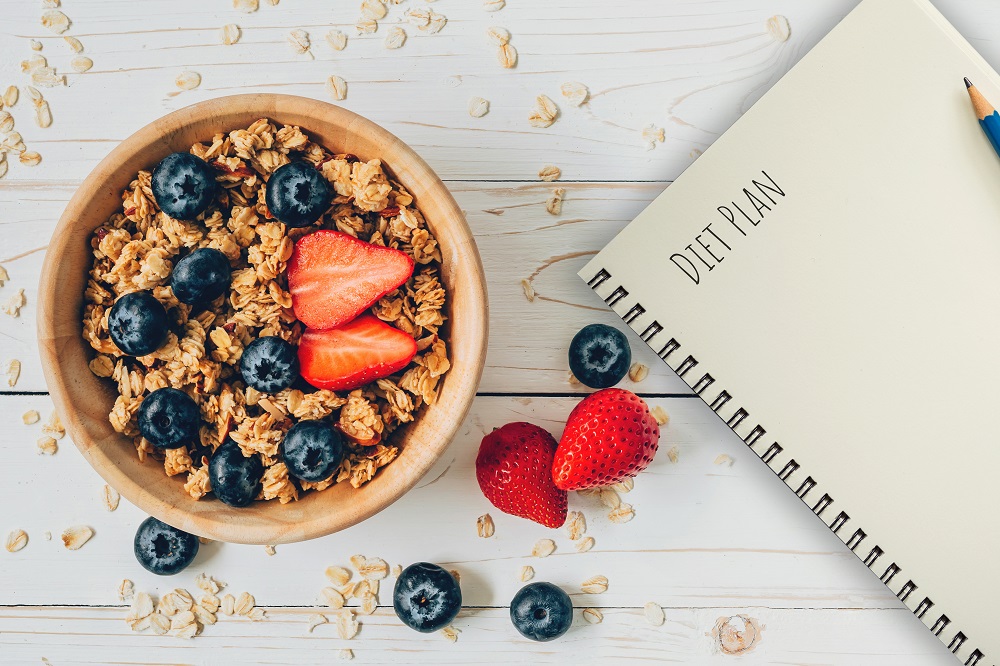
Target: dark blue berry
x=235 y=478
x=183 y=186
x=541 y=611
x=201 y=276
x=138 y=323
x=162 y=549
x=297 y=194
x=169 y=418
x=599 y=356
x=312 y=450
x=426 y=597
x=269 y=364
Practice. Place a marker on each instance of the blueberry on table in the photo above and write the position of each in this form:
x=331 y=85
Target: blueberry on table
x=312 y=450
x=169 y=418
x=201 y=276
x=269 y=364
x=235 y=478
x=162 y=549
x=541 y=611
x=599 y=356
x=297 y=194
x=138 y=323
x=426 y=597
x=183 y=186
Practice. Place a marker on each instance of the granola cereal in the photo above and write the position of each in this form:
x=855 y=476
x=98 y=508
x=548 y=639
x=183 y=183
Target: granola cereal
x=136 y=248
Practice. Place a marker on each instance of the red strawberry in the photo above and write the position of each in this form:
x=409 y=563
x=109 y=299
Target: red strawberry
x=609 y=437
x=354 y=354
x=514 y=469
x=334 y=277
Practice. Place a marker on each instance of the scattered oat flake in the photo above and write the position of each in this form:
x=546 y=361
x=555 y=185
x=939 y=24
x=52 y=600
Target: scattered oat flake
x=507 y=55
x=246 y=6
x=673 y=454
x=484 y=526
x=553 y=205
x=549 y=173
x=660 y=414
x=371 y=568
x=299 y=41
x=366 y=26
x=270 y=549
x=779 y=28
x=337 y=87
x=74 y=44
x=638 y=372
x=55 y=21
x=724 y=459
x=244 y=604
x=47 y=536
x=43 y=114
x=622 y=514
x=336 y=39
x=332 y=597
x=593 y=616
x=81 y=64
x=529 y=291
x=494 y=5
x=396 y=38
x=74 y=537
x=230 y=34
x=584 y=544
x=609 y=497
x=575 y=92
x=654 y=614
x=526 y=574
x=228 y=605
x=47 y=445
x=347 y=624
x=651 y=135
x=544 y=113
x=188 y=80
x=16 y=540
x=315 y=620
x=451 y=633
x=478 y=107
x=126 y=589
x=595 y=585
x=10 y=96
x=625 y=486
x=30 y=158
x=435 y=24
x=498 y=35
x=576 y=525
x=544 y=548
x=397 y=570
x=31 y=416
x=420 y=17
x=54 y=426
x=572 y=380
x=373 y=9
x=346 y=654
x=13 y=372
x=338 y=575
x=6 y=122
x=35 y=45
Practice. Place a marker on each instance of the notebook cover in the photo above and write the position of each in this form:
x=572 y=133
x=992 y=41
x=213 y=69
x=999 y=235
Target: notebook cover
x=825 y=277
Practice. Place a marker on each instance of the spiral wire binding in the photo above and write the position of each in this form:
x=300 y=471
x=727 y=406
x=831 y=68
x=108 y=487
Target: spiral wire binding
x=786 y=470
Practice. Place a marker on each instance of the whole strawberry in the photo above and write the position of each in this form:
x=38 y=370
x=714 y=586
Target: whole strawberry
x=609 y=437
x=514 y=469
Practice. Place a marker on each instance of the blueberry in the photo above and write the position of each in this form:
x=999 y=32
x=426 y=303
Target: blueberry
x=138 y=323
x=169 y=418
x=426 y=597
x=541 y=611
x=297 y=194
x=599 y=356
x=235 y=478
x=200 y=277
x=269 y=364
x=162 y=549
x=312 y=450
x=183 y=186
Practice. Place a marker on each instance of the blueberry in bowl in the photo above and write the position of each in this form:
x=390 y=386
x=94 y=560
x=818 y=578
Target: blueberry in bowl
x=201 y=276
x=426 y=597
x=541 y=611
x=312 y=450
x=162 y=549
x=235 y=478
x=168 y=418
x=297 y=194
x=269 y=364
x=138 y=323
x=183 y=185
x=599 y=356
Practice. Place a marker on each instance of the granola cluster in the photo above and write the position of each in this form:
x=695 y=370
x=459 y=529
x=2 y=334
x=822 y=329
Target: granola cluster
x=136 y=250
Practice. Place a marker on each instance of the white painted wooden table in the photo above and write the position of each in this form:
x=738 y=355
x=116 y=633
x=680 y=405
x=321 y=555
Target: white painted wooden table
x=708 y=541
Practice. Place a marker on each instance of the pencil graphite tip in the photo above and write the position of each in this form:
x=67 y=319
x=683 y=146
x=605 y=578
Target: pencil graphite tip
x=968 y=83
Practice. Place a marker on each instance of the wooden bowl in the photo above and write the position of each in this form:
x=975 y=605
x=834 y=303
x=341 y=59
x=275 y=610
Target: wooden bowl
x=84 y=400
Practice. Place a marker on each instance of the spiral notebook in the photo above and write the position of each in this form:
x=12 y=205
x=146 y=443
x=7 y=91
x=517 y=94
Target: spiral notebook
x=826 y=277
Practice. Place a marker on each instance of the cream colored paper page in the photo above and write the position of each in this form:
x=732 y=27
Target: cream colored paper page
x=856 y=315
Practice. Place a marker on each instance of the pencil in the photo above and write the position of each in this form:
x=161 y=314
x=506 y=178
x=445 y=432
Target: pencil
x=988 y=117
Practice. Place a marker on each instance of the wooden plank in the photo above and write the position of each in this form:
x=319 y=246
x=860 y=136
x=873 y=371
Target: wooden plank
x=517 y=239
x=704 y=535
x=65 y=635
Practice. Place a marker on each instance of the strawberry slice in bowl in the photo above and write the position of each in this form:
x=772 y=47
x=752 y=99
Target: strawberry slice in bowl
x=352 y=355
x=334 y=277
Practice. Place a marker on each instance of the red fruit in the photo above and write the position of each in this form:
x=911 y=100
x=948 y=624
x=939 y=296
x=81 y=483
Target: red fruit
x=609 y=437
x=514 y=469
x=354 y=354
x=334 y=277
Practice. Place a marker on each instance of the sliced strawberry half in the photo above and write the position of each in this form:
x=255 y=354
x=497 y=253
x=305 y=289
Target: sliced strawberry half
x=334 y=277
x=349 y=356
